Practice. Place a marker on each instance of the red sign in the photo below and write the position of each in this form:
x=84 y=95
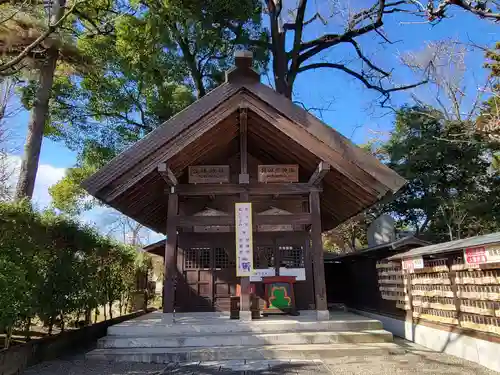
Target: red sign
x=476 y=255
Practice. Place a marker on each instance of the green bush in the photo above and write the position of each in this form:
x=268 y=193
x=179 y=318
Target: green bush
x=56 y=269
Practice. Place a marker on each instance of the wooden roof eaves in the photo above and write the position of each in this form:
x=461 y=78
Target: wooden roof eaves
x=176 y=125
x=157 y=138
x=321 y=149
x=170 y=148
x=328 y=135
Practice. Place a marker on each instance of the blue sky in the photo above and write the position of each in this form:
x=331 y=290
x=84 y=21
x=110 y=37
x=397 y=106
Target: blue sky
x=352 y=108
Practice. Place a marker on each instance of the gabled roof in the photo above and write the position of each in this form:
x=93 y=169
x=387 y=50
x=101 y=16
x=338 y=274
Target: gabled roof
x=279 y=131
x=393 y=247
x=450 y=246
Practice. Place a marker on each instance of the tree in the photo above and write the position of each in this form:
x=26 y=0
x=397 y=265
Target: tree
x=451 y=187
x=348 y=236
x=54 y=48
x=188 y=44
x=206 y=34
x=489 y=121
x=7 y=168
x=29 y=165
x=306 y=55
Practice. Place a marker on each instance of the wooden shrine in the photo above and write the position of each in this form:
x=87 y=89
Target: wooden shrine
x=242 y=143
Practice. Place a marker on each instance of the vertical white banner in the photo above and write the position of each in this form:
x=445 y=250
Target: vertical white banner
x=244 y=243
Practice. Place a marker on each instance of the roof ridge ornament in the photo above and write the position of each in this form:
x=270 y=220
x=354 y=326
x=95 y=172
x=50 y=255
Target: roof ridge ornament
x=242 y=71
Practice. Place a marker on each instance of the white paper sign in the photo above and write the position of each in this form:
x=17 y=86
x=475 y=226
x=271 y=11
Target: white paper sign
x=244 y=245
x=260 y=273
x=299 y=273
x=413 y=264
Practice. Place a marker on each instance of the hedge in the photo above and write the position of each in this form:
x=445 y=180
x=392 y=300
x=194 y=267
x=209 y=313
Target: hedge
x=58 y=270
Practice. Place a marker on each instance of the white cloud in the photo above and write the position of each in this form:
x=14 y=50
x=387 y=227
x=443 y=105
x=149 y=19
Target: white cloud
x=47 y=176
x=101 y=217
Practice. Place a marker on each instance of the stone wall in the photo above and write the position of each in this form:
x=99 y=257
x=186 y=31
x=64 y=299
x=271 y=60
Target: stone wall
x=15 y=359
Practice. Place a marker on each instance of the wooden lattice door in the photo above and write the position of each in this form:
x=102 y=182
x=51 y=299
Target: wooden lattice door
x=206 y=272
x=224 y=275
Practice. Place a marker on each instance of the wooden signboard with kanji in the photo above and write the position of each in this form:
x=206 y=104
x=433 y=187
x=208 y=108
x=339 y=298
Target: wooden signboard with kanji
x=278 y=173
x=208 y=174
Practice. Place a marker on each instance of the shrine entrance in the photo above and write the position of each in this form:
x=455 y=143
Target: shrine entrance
x=243 y=183
x=206 y=268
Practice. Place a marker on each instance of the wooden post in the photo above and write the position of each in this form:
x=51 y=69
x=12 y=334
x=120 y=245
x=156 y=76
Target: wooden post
x=244 y=178
x=452 y=274
x=170 y=252
x=318 y=261
x=245 y=313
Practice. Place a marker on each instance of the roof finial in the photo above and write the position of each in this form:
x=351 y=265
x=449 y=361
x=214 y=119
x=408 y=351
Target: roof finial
x=243 y=59
x=243 y=68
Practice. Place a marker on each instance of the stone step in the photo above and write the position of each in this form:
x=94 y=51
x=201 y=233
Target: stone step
x=148 y=329
x=166 y=355
x=247 y=339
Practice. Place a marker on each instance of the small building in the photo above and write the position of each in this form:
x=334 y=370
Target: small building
x=242 y=182
x=444 y=296
x=351 y=279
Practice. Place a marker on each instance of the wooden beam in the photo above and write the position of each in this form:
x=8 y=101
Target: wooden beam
x=170 y=254
x=251 y=189
x=320 y=172
x=317 y=253
x=244 y=178
x=167 y=174
x=293 y=219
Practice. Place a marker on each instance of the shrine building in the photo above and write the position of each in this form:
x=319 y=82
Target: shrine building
x=243 y=182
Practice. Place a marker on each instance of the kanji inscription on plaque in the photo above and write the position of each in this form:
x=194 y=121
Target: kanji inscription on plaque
x=244 y=245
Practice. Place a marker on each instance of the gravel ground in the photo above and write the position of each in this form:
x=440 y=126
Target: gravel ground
x=418 y=360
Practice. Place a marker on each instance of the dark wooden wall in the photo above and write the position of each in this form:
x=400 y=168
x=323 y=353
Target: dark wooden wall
x=204 y=286
x=354 y=282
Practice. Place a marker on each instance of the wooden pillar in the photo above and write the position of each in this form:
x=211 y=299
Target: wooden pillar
x=170 y=252
x=244 y=178
x=318 y=261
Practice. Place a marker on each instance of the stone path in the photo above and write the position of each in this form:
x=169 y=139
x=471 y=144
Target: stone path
x=417 y=360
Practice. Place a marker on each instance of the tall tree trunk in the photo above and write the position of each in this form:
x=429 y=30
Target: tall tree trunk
x=111 y=310
x=27 y=328
x=280 y=60
x=62 y=323
x=51 y=325
x=88 y=318
x=38 y=117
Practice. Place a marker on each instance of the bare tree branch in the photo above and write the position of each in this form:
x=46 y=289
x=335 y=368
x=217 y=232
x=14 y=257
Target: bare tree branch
x=313 y=47
x=362 y=77
x=367 y=61
x=478 y=8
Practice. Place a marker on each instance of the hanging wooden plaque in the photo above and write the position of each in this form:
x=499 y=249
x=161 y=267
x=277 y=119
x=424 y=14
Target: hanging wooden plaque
x=279 y=173
x=208 y=174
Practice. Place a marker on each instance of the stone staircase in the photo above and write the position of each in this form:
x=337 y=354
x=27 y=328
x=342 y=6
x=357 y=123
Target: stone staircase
x=198 y=337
